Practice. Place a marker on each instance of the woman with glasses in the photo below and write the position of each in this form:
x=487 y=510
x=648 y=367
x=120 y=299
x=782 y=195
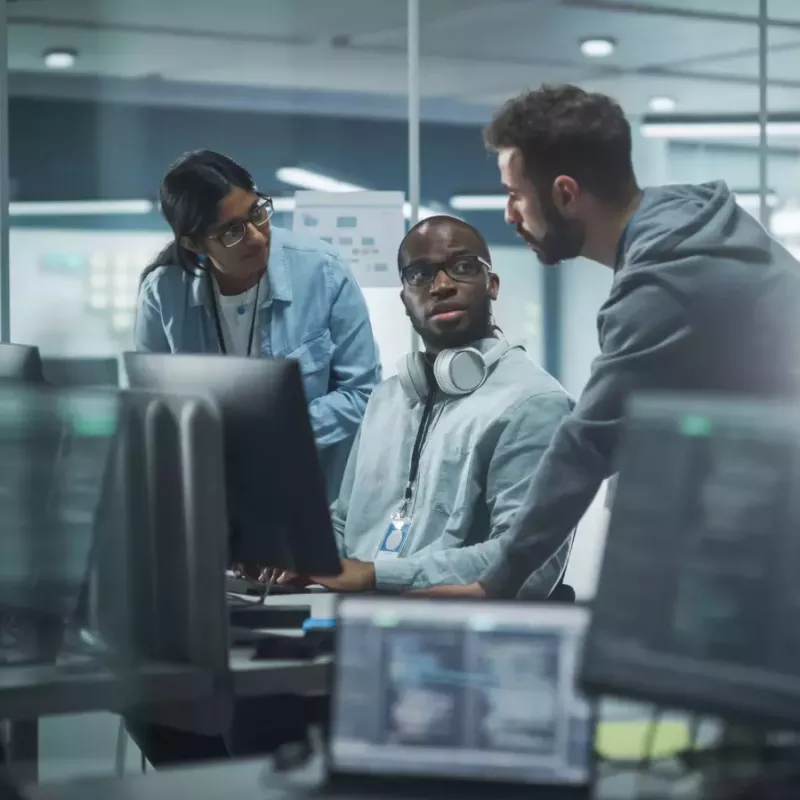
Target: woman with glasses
x=232 y=283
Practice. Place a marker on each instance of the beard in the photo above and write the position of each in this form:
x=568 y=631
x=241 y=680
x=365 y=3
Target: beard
x=477 y=325
x=564 y=238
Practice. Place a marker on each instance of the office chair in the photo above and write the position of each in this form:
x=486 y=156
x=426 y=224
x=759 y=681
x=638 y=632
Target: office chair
x=81 y=372
x=20 y=363
x=562 y=593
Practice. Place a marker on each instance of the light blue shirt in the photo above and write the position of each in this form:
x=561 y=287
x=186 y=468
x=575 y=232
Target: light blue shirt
x=313 y=312
x=475 y=467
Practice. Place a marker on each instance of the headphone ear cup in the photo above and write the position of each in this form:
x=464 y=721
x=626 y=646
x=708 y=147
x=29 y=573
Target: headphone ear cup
x=459 y=372
x=413 y=378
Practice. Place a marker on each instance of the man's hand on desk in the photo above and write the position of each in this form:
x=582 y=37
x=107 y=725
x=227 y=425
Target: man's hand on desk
x=474 y=590
x=356 y=576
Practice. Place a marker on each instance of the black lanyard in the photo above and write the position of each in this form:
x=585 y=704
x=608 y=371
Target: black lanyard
x=218 y=322
x=416 y=452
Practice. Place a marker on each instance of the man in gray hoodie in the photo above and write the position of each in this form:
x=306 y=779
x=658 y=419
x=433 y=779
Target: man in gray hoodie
x=440 y=464
x=703 y=299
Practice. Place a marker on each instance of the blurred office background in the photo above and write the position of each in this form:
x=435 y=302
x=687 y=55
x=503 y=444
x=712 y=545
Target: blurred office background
x=104 y=94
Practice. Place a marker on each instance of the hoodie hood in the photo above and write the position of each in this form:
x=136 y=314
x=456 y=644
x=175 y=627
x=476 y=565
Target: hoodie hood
x=674 y=222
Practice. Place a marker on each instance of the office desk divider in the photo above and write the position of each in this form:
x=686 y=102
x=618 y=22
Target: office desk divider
x=157 y=590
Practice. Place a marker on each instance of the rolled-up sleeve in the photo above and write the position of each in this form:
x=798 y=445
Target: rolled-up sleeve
x=525 y=438
x=355 y=364
x=149 y=334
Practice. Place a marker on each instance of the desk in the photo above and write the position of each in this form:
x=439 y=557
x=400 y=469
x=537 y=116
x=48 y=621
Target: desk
x=54 y=689
x=27 y=693
x=262 y=678
x=76 y=686
x=253 y=780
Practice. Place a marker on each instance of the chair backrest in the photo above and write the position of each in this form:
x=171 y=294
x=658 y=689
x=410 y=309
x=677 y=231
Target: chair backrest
x=20 y=363
x=81 y=372
x=562 y=593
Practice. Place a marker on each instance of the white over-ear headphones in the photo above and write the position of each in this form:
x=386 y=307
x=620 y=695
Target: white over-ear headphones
x=457 y=372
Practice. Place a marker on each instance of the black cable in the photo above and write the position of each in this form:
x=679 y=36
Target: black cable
x=694 y=730
x=646 y=759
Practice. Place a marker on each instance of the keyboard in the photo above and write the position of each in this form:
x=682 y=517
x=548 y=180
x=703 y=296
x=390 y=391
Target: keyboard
x=248 y=586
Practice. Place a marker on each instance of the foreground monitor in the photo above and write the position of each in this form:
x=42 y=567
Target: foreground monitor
x=54 y=452
x=277 y=505
x=458 y=695
x=698 y=593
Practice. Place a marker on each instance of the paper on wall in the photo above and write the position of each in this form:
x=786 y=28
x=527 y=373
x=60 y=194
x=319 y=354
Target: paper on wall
x=365 y=227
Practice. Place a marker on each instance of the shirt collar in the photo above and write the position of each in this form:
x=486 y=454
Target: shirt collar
x=279 y=286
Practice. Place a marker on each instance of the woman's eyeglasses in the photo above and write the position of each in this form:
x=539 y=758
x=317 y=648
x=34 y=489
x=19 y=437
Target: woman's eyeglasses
x=259 y=216
x=462 y=268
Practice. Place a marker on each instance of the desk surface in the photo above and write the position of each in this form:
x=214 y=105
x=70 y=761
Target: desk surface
x=252 y=779
x=34 y=691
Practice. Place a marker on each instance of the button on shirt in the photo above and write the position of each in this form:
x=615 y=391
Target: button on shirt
x=311 y=310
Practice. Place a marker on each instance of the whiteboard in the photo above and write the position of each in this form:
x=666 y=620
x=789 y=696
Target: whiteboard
x=73 y=293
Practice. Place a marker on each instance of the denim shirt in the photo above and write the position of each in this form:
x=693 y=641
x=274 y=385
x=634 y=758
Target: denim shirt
x=314 y=312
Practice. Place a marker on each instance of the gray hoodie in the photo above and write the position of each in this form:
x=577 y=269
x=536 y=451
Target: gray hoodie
x=474 y=472
x=703 y=300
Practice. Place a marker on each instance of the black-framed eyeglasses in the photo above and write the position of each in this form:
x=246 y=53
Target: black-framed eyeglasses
x=235 y=233
x=463 y=269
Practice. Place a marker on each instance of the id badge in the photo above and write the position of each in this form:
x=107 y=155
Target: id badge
x=394 y=539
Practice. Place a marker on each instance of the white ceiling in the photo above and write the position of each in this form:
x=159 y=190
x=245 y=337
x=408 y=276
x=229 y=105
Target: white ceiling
x=475 y=53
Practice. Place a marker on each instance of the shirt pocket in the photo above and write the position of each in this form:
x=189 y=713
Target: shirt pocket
x=314 y=358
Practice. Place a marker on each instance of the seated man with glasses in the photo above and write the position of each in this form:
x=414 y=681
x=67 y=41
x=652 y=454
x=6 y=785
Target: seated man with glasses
x=443 y=458
x=230 y=282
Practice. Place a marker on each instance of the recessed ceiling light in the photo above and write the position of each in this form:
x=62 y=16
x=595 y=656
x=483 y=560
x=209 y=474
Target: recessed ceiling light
x=598 y=48
x=662 y=104
x=60 y=58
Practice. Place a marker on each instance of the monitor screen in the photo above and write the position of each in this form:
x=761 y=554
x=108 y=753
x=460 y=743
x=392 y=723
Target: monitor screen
x=696 y=601
x=459 y=690
x=54 y=451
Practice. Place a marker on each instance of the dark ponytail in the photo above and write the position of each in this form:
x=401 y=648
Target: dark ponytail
x=190 y=193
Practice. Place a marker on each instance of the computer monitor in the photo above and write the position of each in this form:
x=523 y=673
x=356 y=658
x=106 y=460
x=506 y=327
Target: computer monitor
x=157 y=588
x=277 y=505
x=446 y=691
x=54 y=451
x=698 y=596
x=20 y=363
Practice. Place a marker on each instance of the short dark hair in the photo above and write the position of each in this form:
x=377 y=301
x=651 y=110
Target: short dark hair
x=443 y=220
x=564 y=130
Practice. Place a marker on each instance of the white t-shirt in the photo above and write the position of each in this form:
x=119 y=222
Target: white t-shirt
x=236 y=318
